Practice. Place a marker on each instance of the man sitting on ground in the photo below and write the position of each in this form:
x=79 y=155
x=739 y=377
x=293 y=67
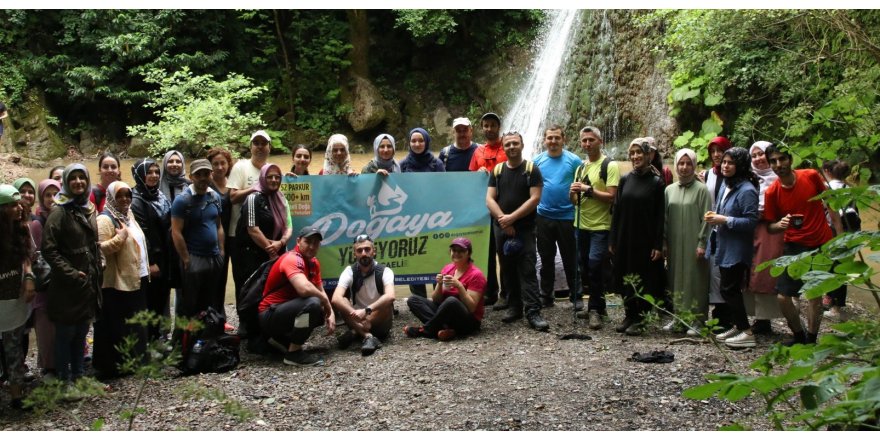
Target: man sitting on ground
x=294 y=302
x=361 y=302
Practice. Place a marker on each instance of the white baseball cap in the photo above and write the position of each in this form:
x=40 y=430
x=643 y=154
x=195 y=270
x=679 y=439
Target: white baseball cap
x=261 y=133
x=461 y=121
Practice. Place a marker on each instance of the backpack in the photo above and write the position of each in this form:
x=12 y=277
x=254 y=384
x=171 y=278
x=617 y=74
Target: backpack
x=850 y=218
x=603 y=171
x=357 y=281
x=251 y=295
x=500 y=167
x=187 y=197
x=444 y=155
x=209 y=349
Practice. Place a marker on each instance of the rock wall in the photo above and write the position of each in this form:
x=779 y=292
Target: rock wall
x=28 y=132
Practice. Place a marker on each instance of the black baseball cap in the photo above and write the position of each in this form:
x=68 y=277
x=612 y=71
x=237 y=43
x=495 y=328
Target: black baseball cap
x=309 y=231
x=491 y=115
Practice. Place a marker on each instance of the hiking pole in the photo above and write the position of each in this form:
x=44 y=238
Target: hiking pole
x=577 y=267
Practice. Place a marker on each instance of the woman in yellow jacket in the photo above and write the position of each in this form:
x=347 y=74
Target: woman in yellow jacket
x=125 y=281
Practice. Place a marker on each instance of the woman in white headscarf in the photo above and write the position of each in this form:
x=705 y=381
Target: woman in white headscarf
x=685 y=239
x=760 y=296
x=337 y=158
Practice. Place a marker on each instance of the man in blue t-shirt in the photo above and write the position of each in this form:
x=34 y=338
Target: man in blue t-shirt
x=457 y=155
x=554 y=223
x=198 y=238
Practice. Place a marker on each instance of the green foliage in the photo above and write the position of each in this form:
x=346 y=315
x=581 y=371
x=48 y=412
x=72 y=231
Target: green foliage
x=429 y=24
x=803 y=79
x=196 y=112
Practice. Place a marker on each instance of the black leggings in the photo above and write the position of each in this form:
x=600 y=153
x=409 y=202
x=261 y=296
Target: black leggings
x=292 y=322
x=731 y=290
x=451 y=313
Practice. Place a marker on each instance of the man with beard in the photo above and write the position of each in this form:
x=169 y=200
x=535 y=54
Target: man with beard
x=364 y=298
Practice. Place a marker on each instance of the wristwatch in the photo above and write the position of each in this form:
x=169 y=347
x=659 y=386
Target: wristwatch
x=368 y=310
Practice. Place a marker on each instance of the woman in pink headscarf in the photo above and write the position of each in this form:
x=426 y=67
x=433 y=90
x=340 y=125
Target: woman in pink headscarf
x=42 y=325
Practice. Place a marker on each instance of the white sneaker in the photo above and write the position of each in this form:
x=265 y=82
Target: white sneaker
x=733 y=331
x=693 y=332
x=742 y=340
x=670 y=326
x=835 y=315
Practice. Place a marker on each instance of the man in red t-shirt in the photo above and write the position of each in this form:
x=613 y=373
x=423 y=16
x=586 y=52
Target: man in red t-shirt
x=294 y=302
x=788 y=207
x=484 y=159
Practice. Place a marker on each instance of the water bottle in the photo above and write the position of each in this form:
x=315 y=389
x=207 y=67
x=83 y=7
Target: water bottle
x=198 y=347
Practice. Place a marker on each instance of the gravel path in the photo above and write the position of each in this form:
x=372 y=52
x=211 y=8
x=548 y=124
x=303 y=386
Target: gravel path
x=508 y=377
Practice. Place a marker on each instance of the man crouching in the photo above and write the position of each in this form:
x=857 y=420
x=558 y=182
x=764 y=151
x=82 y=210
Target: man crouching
x=364 y=298
x=294 y=302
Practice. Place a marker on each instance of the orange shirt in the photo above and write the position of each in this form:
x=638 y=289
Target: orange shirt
x=487 y=155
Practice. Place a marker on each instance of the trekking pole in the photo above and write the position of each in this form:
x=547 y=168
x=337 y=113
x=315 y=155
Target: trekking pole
x=574 y=290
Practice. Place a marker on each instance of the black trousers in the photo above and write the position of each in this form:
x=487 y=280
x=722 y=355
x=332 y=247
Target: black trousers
x=199 y=285
x=731 y=290
x=551 y=233
x=292 y=322
x=451 y=313
x=111 y=328
x=518 y=271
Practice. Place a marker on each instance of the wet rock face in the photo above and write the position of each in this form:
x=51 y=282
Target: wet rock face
x=28 y=133
x=619 y=86
x=368 y=106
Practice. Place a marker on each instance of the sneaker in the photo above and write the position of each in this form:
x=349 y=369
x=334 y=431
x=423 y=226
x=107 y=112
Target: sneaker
x=414 y=332
x=344 y=340
x=447 y=334
x=836 y=314
x=371 y=344
x=594 y=321
x=741 y=340
x=71 y=393
x=693 y=332
x=670 y=326
x=636 y=329
x=733 y=331
x=579 y=304
x=228 y=328
x=512 y=315
x=538 y=323
x=300 y=358
x=500 y=305
x=625 y=324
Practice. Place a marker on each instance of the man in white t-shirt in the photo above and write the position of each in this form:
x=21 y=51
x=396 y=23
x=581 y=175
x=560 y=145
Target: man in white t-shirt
x=241 y=182
x=359 y=300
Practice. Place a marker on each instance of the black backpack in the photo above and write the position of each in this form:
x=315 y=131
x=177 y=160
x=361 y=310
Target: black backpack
x=251 y=295
x=357 y=280
x=209 y=349
x=850 y=218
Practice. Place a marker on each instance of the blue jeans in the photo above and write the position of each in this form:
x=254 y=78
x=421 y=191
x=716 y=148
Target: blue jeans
x=593 y=249
x=70 y=343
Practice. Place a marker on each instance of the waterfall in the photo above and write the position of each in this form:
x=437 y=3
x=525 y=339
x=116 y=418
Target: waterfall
x=533 y=102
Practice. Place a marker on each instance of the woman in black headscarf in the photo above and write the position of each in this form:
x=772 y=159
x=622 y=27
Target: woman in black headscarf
x=151 y=210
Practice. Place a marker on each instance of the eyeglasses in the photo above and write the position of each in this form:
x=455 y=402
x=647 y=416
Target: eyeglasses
x=362 y=237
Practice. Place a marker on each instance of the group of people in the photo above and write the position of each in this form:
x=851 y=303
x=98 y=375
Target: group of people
x=114 y=250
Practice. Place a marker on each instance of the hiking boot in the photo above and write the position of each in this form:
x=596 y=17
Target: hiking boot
x=344 y=340
x=512 y=315
x=742 y=340
x=811 y=338
x=594 y=320
x=538 y=323
x=371 y=344
x=414 y=332
x=300 y=358
x=627 y=322
x=636 y=329
x=729 y=333
x=762 y=327
x=547 y=301
x=796 y=338
x=447 y=334
x=500 y=305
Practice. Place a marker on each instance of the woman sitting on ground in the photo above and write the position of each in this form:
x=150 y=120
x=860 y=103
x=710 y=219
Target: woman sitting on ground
x=383 y=162
x=456 y=306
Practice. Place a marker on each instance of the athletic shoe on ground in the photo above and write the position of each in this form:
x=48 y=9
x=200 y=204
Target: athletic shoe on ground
x=742 y=340
x=447 y=334
x=500 y=305
x=836 y=315
x=371 y=344
x=594 y=320
x=636 y=329
x=625 y=324
x=414 y=332
x=578 y=304
x=301 y=358
x=344 y=340
x=733 y=331
x=670 y=326
x=538 y=323
x=511 y=315
x=693 y=332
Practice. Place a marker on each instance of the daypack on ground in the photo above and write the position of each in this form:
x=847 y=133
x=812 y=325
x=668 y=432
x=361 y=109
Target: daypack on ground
x=209 y=349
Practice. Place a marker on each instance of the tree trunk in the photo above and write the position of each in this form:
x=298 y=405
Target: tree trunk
x=359 y=36
x=288 y=69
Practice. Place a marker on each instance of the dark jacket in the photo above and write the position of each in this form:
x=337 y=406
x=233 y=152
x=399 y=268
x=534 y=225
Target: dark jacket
x=70 y=246
x=155 y=230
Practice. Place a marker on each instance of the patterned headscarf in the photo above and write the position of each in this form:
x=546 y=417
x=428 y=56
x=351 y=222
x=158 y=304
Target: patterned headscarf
x=331 y=167
x=389 y=165
x=151 y=195
x=65 y=196
x=113 y=208
x=275 y=199
x=766 y=177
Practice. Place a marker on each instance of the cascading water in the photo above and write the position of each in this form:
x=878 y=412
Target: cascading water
x=532 y=104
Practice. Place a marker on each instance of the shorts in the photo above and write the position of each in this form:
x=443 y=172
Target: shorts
x=785 y=284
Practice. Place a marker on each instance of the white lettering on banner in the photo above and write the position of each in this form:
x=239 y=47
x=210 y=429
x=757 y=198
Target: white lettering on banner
x=335 y=224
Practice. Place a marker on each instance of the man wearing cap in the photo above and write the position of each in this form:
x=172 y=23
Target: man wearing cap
x=242 y=178
x=554 y=224
x=366 y=308
x=457 y=155
x=197 y=234
x=294 y=302
x=512 y=197
x=485 y=158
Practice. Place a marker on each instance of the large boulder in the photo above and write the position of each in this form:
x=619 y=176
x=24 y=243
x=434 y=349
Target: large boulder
x=367 y=104
x=28 y=132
